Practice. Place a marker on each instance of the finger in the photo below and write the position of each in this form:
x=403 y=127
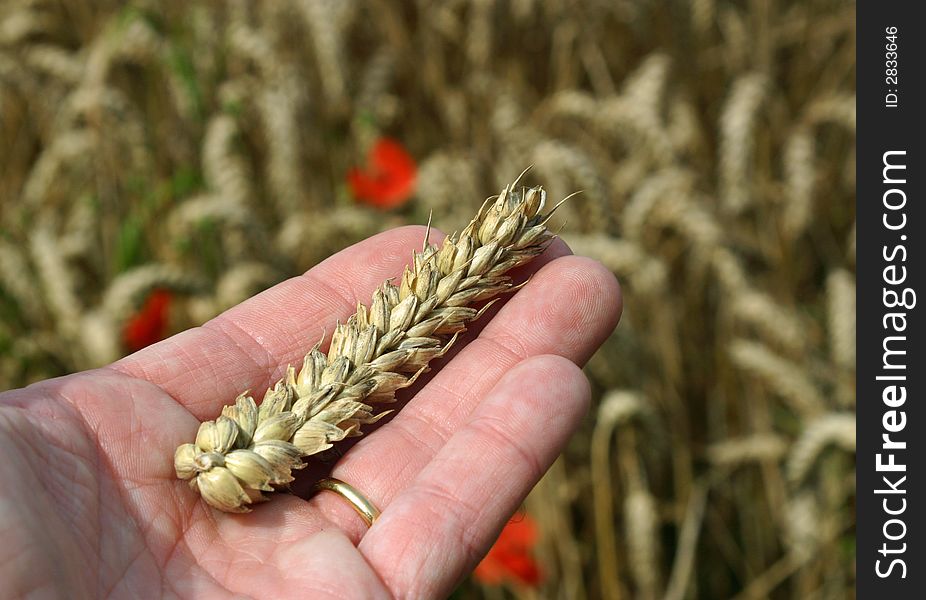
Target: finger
x=441 y=526
x=250 y=345
x=568 y=308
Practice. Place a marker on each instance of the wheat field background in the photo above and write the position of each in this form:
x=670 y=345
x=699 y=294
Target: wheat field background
x=200 y=148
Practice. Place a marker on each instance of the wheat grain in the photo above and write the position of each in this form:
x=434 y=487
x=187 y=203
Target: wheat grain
x=642 y=524
x=373 y=98
x=378 y=350
x=80 y=232
x=57 y=280
x=135 y=43
x=279 y=109
x=67 y=152
x=17 y=281
x=479 y=33
x=449 y=182
x=22 y=24
x=734 y=452
x=619 y=407
x=646 y=85
x=802 y=525
x=690 y=217
x=238 y=283
x=223 y=168
x=832 y=429
x=250 y=45
x=625 y=117
x=777 y=323
x=839 y=109
x=649 y=195
x=99 y=339
x=736 y=143
x=326 y=37
x=647 y=274
x=308 y=237
x=683 y=127
x=736 y=38
x=207 y=208
x=840 y=304
x=799 y=175
x=573 y=104
x=453 y=108
x=728 y=269
x=639 y=127
x=576 y=168
x=139 y=43
x=129 y=288
x=781 y=375
x=241 y=282
x=703 y=14
x=56 y=62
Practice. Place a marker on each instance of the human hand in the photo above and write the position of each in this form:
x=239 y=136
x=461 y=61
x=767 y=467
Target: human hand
x=90 y=505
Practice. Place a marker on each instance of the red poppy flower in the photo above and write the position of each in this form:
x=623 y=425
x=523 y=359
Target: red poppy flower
x=149 y=324
x=511 y=558
x=389 y=177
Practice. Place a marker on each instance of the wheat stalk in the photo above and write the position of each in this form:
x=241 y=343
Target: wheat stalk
x=378 y=350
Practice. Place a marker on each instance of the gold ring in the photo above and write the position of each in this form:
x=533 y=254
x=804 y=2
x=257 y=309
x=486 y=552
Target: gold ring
x=364 y=507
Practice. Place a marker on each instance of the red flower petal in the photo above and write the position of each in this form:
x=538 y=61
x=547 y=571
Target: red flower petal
x=523 y=568
x=389 y=177
x=511 y=558
x=490 y=571
x=149 y=324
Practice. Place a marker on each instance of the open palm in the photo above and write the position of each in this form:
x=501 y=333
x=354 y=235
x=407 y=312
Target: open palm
x=90 y=505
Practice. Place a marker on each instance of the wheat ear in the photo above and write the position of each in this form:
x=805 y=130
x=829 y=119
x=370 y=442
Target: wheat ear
x=380 y=349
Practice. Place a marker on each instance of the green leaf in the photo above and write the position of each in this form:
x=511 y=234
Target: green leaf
x=129 y=244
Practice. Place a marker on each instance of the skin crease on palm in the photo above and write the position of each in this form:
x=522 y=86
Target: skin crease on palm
x=90 y=506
